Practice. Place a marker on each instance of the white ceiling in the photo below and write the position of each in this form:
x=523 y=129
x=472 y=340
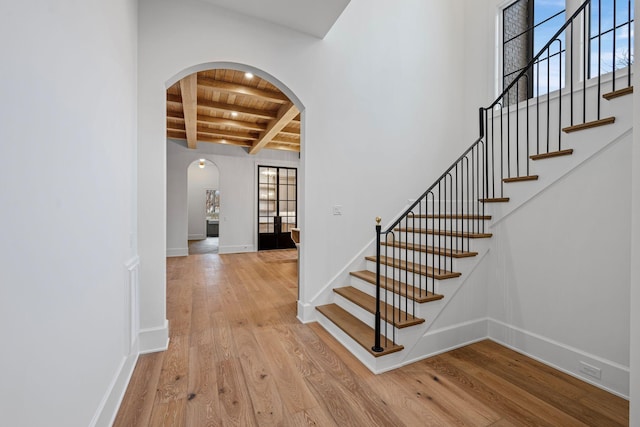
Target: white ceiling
x=315 y=17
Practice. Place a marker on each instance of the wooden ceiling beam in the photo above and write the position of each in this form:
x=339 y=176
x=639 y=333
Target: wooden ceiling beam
x=286 y=113
x=207 y=138
x=177 y=134
x=175 y=127
x=225 y=108
x=291 y=130
x=287 y=137
x=280 y=141
x=205 y=130
x=256 y=127
x=238 y=89
x=226 y=133
x=285 y=147
x=189 y=93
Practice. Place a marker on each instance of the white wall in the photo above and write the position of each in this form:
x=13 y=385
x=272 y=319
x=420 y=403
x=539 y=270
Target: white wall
x=378 y=93
x=237 y=184
x=560 y=279
x=551 y=292
x=199 y=181
x=68 y=216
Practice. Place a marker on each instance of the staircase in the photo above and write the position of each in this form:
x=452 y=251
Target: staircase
x=385 y=310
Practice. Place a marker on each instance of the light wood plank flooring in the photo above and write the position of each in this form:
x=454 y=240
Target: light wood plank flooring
x=239 y=357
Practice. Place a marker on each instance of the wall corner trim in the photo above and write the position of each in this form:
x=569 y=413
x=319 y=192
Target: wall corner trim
x=154 y=339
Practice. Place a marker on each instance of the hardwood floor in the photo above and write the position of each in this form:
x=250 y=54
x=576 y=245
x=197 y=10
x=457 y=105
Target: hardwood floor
x=238 y=356
x=204 y=246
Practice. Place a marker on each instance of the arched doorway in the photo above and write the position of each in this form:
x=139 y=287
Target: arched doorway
x=203 y=204
x=230 y=129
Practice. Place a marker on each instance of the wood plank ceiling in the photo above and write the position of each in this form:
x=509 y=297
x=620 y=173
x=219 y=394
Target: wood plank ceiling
x=232 y=107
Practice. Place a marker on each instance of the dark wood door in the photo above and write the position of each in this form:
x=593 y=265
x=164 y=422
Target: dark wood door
x=277 y=206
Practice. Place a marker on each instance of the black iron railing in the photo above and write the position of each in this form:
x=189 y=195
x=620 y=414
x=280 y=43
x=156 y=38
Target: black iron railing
x=418 y=249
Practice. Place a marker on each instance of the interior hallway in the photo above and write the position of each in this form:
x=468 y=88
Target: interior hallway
x=238 y=356
x=209 y=245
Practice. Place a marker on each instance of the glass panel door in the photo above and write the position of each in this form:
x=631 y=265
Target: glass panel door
x=277 y=207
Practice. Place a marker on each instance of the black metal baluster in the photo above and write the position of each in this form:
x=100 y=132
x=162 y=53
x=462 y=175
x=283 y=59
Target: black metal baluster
x=613 y=75
x=600 y=55
x=629 y=42
x=518 y=130
x=559 y=95
x=377 y=347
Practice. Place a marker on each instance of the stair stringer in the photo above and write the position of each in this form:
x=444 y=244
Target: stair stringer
x=585 y=144
x=417 y=339
x=446 y=327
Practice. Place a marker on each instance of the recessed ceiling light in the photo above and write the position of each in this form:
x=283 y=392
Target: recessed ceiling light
x=201 y=163
x=234 y=114
x=248 y=75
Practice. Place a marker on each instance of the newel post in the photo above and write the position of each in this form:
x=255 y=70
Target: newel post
x=377 y=347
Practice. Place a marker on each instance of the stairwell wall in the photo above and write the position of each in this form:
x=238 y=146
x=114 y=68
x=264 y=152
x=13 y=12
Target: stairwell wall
x=378 y=92
x=560 y=282
x=560 y=278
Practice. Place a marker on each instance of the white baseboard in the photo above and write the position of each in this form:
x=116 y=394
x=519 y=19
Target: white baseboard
x=236 y=249
x=306 y=313
x=154 y=339
x=171 y=252
x=196 y=236
x=108 y=408
x=614 y=379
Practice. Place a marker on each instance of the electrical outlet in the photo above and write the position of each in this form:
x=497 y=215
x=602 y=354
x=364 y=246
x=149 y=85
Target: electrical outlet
x=590 y=370
x=337 y=210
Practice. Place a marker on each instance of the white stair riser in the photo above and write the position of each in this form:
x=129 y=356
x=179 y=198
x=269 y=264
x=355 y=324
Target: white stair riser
x=425 y=310
x=424 y=258
x=413 y=279
x=363 y=315
x=445 y=224
x=446 y=205
x=399 y=335
x=441 y=262
x=458 y=243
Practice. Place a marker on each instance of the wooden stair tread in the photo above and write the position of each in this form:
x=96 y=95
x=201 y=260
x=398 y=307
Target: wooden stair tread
x=356 y=329
x=521 y=178
x=448 y=233
x=450 y=216
x=430 y=249
x=589 y=125
x=436 y=273
x=387 y=312
x=495 y=200
x=551 y=154
x=411 y=292
x=616 y=93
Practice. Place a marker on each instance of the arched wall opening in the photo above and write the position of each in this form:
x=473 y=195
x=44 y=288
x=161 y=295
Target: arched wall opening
x=238 y=216
x=203 y=205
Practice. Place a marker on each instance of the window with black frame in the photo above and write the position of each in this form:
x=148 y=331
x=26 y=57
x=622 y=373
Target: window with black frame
x=527 y=25
x=611 y=36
